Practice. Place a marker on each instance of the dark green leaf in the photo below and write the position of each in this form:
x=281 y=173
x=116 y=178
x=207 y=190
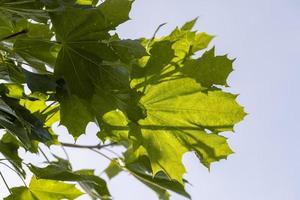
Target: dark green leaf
x=113 y=169
x=75 y=114
x=40 y=82
x=209 y=69
x=9 y=149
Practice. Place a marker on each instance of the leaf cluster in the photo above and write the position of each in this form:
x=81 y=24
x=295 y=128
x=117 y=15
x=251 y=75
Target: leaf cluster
x=63 y=61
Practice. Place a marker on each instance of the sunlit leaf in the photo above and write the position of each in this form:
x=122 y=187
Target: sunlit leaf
x=95 y=185
x=40 y=189
x=63 y=63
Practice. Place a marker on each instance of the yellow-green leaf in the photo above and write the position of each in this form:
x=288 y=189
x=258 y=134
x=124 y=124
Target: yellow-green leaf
x=40 y=189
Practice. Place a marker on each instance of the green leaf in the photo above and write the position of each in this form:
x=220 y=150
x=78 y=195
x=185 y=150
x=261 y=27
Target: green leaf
x=84 y=2
x=180 y=118
x=93 y=23
x=113 y=169
x=167 y=55
x=129 y=50
x=209 y=69
x=114 y=126
x=11 y=72
x=140 y=170
x=188 y=117
x=188 y=104
x=11 y=28
x=19 y=120
x=34 y=125
x=9 y=149
x=162 y=54
x=151 y=96
x=82 y=47
x=187 y=42
x=159 y=184
x=82 y=60
x=21 y=193
x=189 y=25
x=40 y=189
x=116 y=11
x=25 y=9
x=8 y=120
x=37 y=53
x=94 y=185
x=30 y=41
x=7 y=26
x=40 y=82
x=75 y=114
x=36 y=104
x=35 y=46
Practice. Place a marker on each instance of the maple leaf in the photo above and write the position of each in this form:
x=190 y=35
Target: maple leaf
x=45 y=189
x=182 y=117
x=63 y=61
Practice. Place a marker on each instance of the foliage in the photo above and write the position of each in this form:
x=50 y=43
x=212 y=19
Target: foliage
x=154 y=97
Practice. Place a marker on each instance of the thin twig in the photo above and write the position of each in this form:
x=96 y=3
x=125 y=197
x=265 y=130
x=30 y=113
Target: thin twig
x=111 y=151
x=98 y=146
x=102 y=154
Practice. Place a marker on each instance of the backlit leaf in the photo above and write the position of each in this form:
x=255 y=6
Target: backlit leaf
x=40 y=189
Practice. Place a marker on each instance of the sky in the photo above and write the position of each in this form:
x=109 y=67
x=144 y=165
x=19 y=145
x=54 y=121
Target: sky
x=264 y=37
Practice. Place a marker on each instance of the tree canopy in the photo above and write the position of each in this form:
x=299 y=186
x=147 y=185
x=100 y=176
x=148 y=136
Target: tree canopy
x=63 y=61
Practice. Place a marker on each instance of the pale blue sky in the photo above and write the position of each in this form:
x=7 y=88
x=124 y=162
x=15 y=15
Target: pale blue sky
x=264 y=36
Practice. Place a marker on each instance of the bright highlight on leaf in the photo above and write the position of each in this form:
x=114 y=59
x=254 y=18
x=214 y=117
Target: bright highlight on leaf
x=45 y=189
x=62 y=62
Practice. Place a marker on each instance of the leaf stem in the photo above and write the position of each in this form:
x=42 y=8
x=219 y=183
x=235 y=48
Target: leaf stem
x=5 y=182
x=5 y=159
x=143 y=179
x=14 y=35
x=66 y=153
x=49 y=106
x=154 y=35
x=43 y=153
x=123 y=166
x=15 y=172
